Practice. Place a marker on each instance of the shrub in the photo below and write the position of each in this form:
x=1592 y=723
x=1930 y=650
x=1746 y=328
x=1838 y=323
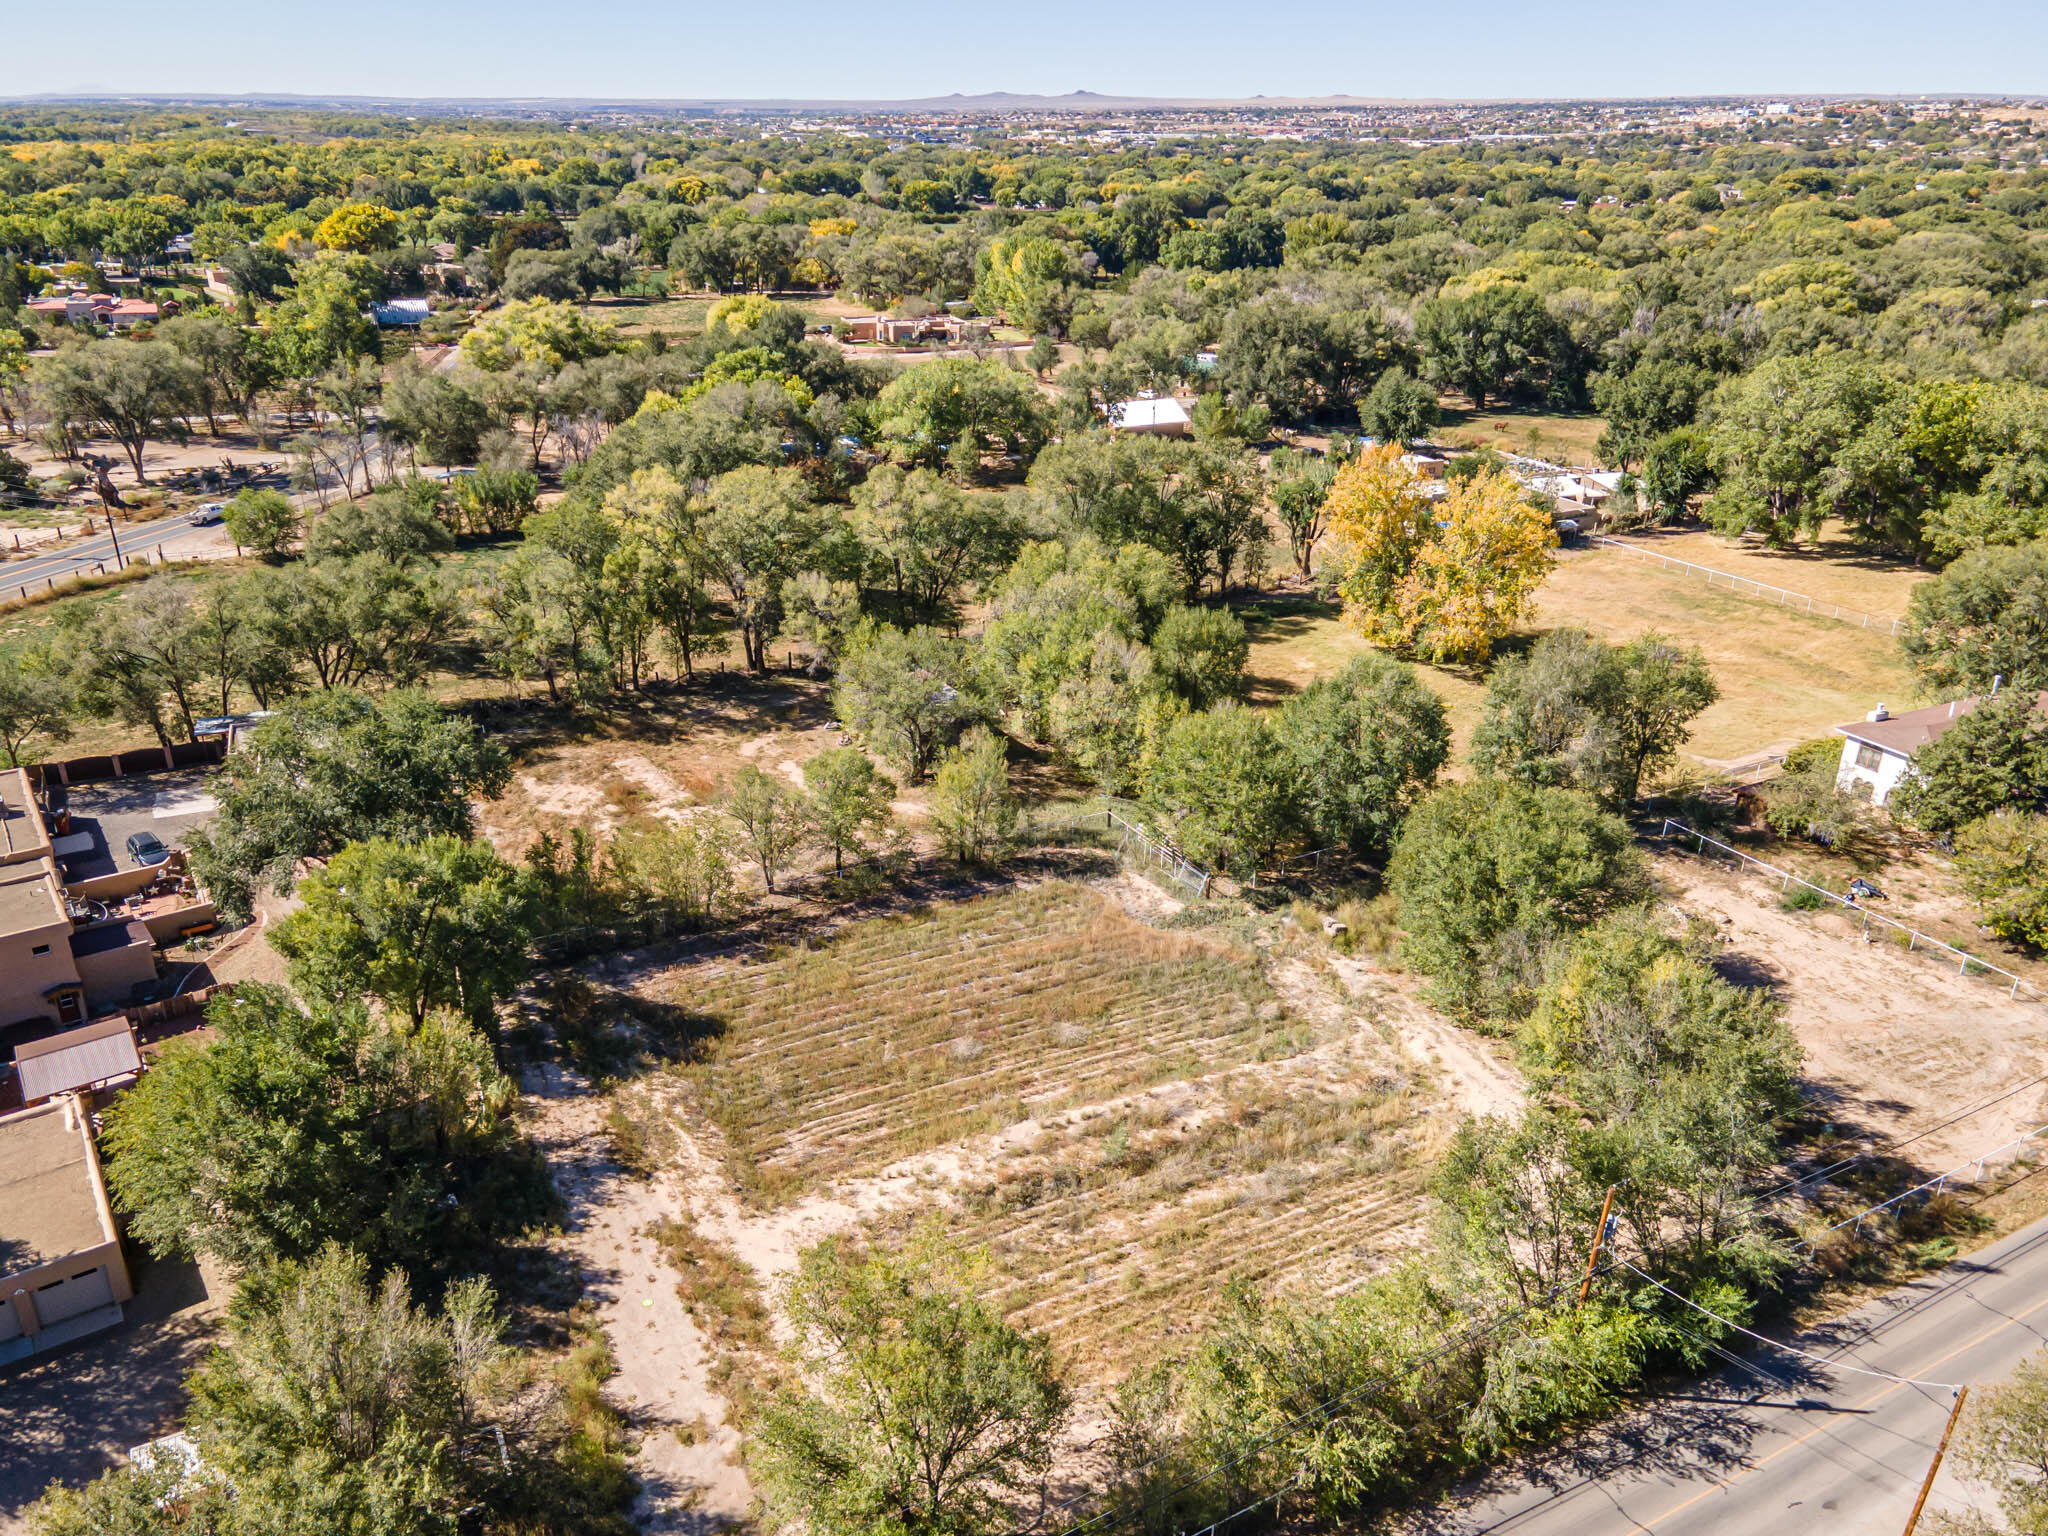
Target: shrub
x=2003 y=861
x=1488 y=874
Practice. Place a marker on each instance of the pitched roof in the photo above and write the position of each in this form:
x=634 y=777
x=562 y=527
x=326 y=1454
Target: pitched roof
x=77 y=1058
x=1908 y=733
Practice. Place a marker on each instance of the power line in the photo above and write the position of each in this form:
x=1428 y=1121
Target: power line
x=1938 y=1182
x=1325 y=1409
x=1479 y=1330
x=1790 y=1349
x=1893 y=1145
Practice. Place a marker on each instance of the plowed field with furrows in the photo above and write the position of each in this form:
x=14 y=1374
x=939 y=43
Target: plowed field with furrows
x=1115 y=1237
x=902 y=1035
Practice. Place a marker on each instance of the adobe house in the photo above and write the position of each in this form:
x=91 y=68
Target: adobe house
x=73 y=949
x=62 y=1273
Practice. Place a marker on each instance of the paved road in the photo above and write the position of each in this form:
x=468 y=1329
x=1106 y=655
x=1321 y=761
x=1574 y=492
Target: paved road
x=1802 y=1450
x=175 y=535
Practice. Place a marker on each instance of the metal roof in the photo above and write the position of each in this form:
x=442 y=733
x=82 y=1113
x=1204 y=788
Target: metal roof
x=77 y=1058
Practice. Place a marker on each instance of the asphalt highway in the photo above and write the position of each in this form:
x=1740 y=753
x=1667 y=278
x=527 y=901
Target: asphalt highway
x=174 y=534
x=1778 y=1445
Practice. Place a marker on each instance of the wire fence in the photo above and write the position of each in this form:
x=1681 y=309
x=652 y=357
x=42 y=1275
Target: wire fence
x=1315 y=860
x=1137 y=846
x=1930 y=1187
x=1744 y=585
x=1967 y=964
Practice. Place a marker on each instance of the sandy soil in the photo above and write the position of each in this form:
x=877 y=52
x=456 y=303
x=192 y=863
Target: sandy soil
x=666 y=767
x=1472 y=1070
x=1895 y=1042
x=663 y=1356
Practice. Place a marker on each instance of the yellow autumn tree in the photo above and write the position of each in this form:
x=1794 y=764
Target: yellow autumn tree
x=1446 y=579
x=1474 y=580
x=357 y=227
x=1381 y=520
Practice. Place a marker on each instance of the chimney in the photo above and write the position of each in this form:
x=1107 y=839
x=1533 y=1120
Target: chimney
x=1879 y=713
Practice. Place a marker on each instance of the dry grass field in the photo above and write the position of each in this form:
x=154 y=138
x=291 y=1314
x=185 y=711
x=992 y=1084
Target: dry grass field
x=902 y=1035
x=1834 y=570
x=1784 y=676
x=1119 y=1116
x=1113 y=1231
x=1510 y=429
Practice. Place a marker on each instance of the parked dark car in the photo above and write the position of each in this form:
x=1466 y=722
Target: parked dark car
x=147 y=848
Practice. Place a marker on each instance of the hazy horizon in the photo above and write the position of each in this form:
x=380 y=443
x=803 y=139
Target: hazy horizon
x=917 y=50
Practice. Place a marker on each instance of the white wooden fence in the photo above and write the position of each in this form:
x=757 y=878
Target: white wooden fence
x=1745 y=586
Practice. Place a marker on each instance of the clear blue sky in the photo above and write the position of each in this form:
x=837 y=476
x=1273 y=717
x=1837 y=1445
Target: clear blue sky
x=911 y=48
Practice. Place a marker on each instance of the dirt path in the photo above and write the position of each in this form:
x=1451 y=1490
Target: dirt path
x=688 y=1459
x=1475 y=1075
x=1894 y=1041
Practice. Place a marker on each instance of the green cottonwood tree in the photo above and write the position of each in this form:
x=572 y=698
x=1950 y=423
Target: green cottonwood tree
x=1487 y=873
x=1223 y=788
x=930 y=1414
x=438 y=922
x=1363 y=746
x=1993 y=757
x=334 y=768
x=850 y=801
x=908 y=693
x=264 y=522
x=297 y=1126
x=1984 y=617
x=972 y=804
x=1581 y=713
x=770 y=817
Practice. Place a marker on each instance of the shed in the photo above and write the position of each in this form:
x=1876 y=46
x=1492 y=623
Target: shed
x=86 y=1057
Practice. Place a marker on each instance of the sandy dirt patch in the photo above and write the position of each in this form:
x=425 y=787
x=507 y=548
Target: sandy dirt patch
x=1473 y=1071
x=1894 y=1041
x=664 y=1358
x=561 y=799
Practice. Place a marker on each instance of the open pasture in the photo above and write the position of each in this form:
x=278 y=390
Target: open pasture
x=1784 y=676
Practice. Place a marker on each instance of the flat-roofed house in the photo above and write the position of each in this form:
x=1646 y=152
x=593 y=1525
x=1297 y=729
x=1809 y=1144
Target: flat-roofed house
x=62 y=1274
x=1153 y=415
x=38 y=973
x=53 y=966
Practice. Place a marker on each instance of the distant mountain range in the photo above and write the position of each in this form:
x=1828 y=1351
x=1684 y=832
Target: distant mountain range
x=1079 y=102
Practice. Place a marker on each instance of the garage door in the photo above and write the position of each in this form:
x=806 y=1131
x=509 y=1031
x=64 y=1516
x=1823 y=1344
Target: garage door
x=68 y=1298
x=10 y=1320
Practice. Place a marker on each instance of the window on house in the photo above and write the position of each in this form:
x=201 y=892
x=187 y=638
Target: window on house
x=40 y=949
x=1868 y=756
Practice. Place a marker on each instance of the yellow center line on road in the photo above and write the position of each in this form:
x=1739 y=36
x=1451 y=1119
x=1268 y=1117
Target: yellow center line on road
x=1790 y=1445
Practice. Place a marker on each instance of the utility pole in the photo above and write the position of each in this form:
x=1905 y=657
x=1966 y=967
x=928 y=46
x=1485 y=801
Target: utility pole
x=1940 y=1451
x=115 y=537
x=1599 y=1241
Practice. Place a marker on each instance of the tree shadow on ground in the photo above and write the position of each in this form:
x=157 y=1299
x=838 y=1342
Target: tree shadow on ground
x=729 y=701
x=1837 y=551
x=72 y=1413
